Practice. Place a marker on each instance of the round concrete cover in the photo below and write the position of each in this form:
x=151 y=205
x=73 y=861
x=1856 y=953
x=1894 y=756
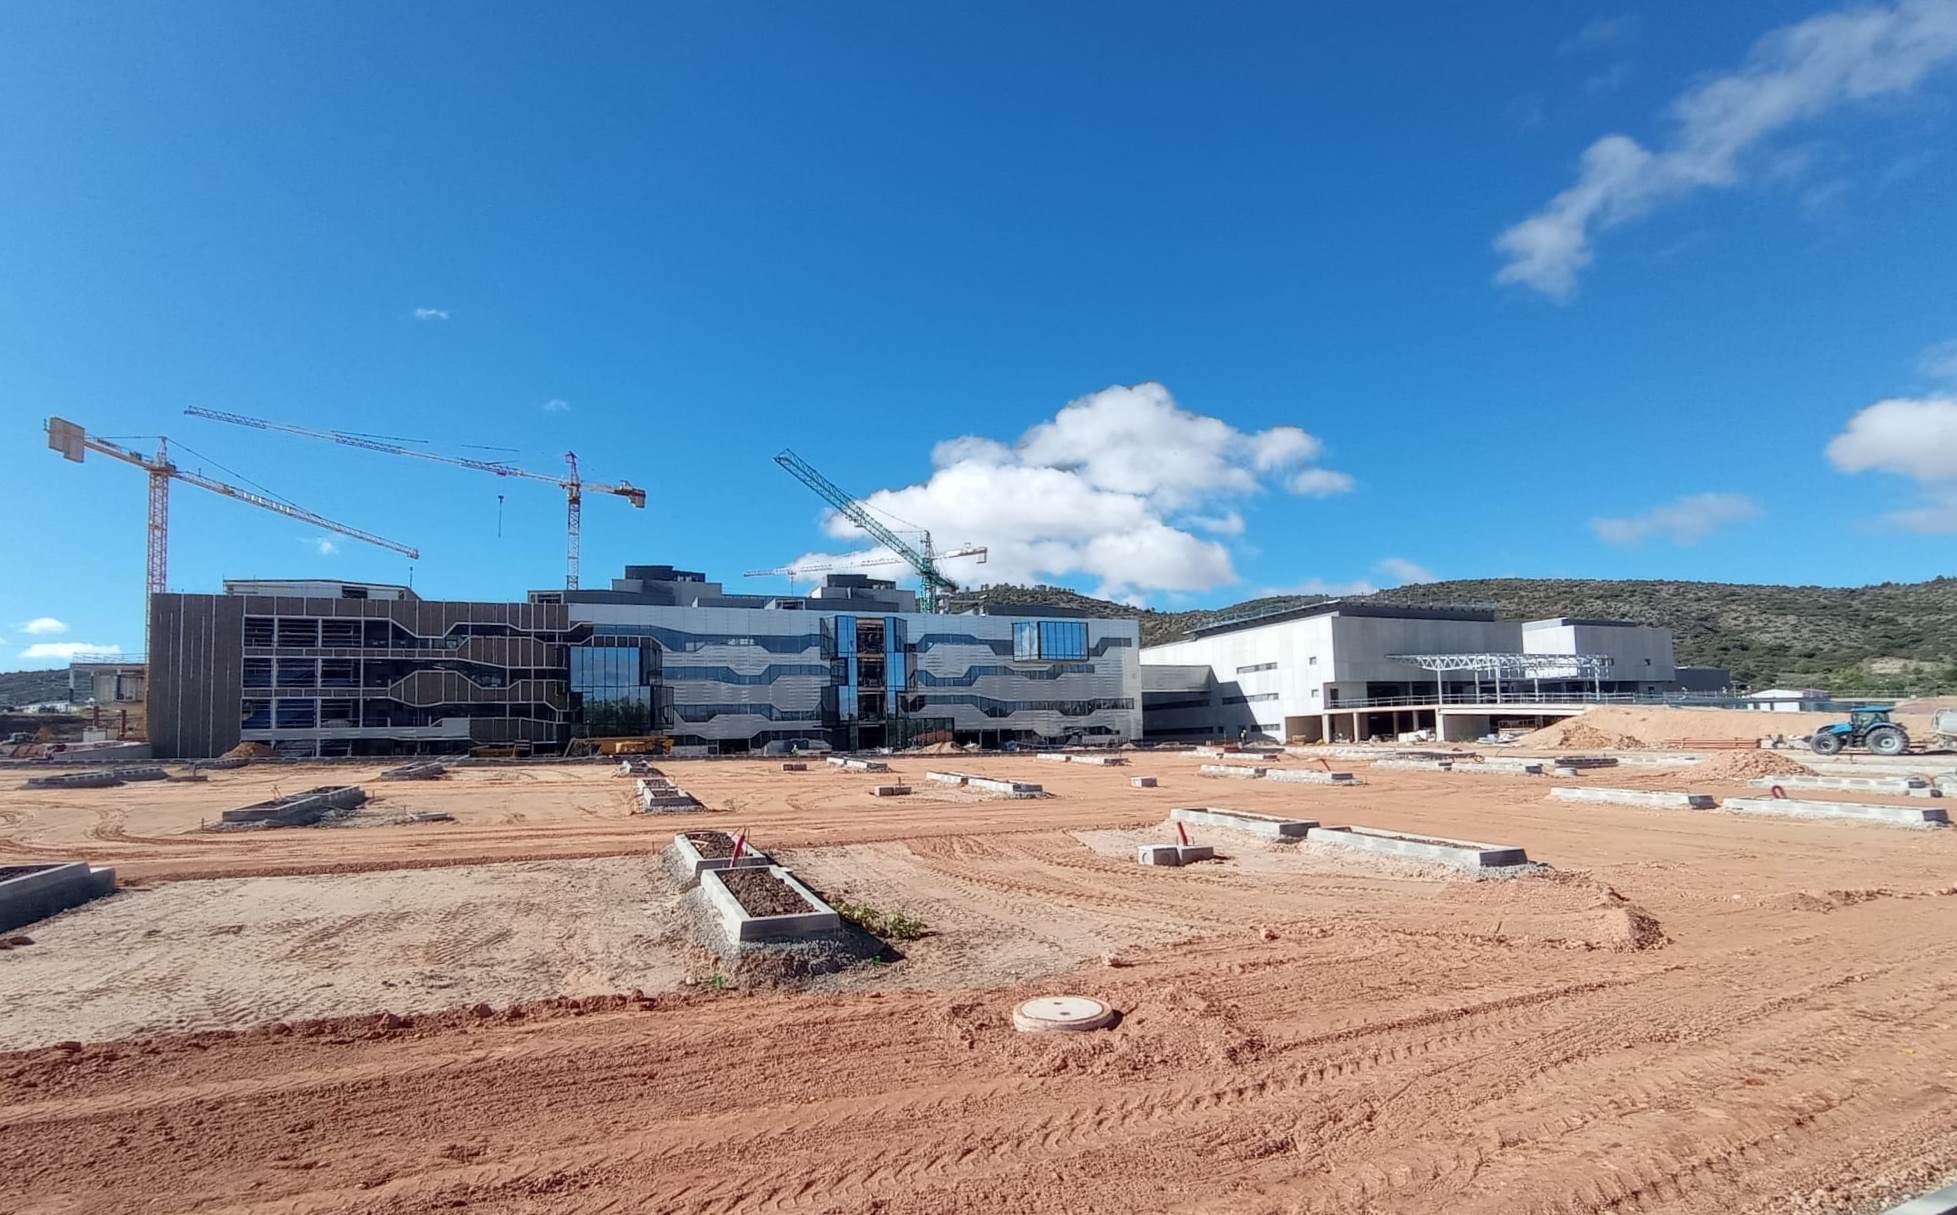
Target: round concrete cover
x=1067 y=1014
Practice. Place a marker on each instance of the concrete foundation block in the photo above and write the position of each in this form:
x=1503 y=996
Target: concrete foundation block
x=1237 y=770
x=1100 y=761
x=1431 y=765
x=1787 y=807
x=690 y=864
x=1057 y=757
x=1011 y=788
x=1634 y=797
x=1141 y=782
x=891 y=791
x=299 y=809
x=1268 y=826
x=76 y=780
x=947 y=778
x=1872 y=784
x=1466 y=854
x=794 y=767
x=1174 y=854
x=820 y=919
x=1586 y=761
x=1308 y=776
x=34 y=892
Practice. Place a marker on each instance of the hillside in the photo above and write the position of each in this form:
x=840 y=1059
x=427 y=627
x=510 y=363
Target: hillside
x=1896 y=636
x=33 y=687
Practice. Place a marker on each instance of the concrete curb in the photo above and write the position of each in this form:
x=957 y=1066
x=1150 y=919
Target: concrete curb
x=1228 y=770
x=29 y=897
x=1265 y=825
x=1308 y=777
x=1634 y=797
x=1466 y=854
x=1937 y=1202
x=1900 y=816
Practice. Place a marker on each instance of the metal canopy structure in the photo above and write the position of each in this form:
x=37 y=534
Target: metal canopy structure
x=1512 y=666
x=1509 y=666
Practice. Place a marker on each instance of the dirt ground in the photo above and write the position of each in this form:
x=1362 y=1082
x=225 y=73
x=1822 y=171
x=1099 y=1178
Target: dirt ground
x=1692 y=1011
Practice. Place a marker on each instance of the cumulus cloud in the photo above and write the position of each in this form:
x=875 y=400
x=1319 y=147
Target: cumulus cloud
x=1090 y=492
x=431 y=314
x=1794 y=73
x=557 y=405
x=1688 y=520
x=1914 y=438
x=64 y=651
x=44 y=626
x=1402 y=571
x=1604 y=31
x=323 y=545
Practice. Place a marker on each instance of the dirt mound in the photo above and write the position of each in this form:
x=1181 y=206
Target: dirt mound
x=1579 y=735
x=1628 y=927
x=937 y=748
x=249 y=750
x=1748 y=764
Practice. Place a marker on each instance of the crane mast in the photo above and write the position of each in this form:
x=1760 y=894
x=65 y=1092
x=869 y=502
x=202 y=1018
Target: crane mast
x=573 y=485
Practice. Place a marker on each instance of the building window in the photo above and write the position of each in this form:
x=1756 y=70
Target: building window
x=1244 y=700
x=1312 y=661
x=1034 y=640
x=1262 y=666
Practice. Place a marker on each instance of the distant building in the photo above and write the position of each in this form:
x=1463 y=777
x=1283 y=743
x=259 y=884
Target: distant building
x=1343 y=670
x=1790 y=700
x=105 y=680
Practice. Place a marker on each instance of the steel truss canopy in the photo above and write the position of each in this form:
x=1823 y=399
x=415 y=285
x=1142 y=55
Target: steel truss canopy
x=1513 y=666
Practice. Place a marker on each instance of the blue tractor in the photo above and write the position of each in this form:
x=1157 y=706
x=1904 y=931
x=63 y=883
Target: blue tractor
x=1866 y=726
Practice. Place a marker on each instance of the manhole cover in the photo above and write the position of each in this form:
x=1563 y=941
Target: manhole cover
x=1063 y=1013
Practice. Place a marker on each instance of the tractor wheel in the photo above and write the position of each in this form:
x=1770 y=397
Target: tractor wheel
x=1826 y=744
x=1888 y=740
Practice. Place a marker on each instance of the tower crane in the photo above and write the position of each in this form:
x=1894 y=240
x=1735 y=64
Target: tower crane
x=572 y=484
x=931 y=580
x=74 y=442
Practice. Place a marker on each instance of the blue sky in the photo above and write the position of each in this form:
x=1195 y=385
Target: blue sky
x=1710 y=343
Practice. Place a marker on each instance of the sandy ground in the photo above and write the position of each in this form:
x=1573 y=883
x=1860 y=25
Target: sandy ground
x=1694 y=1011
x=235 y=952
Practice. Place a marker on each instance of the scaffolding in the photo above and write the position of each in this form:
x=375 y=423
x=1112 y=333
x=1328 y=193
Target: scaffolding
x=1511 y=666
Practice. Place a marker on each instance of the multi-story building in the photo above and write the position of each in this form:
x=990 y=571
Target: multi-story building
x=342 y=668
x=854 y=664
x=347 y=668
x=1354 y=670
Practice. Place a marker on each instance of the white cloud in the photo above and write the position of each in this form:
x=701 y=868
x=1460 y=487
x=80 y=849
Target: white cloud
x=65 y=651
x=323 y=545
x=1090 y=491
x=1794 y=73
x=1320 y=588
x=1229 y=523
x=1688 y=520
x=1604 y=31
x=431 y=314
x=1608 y=81
x=42 y=626
x=557 y=405
x=1914 y=438
x=1939 y=361
x=1402 y=571
x=1320 y=482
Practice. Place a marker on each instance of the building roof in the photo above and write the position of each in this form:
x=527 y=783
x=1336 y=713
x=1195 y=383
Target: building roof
x=1590 y=621
x=1340 y=607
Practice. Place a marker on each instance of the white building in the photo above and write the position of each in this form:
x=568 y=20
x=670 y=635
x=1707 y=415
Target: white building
x=1355 y=670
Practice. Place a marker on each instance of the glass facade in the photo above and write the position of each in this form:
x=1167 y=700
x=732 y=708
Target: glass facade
x=1043 y=639
x=613 y=683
